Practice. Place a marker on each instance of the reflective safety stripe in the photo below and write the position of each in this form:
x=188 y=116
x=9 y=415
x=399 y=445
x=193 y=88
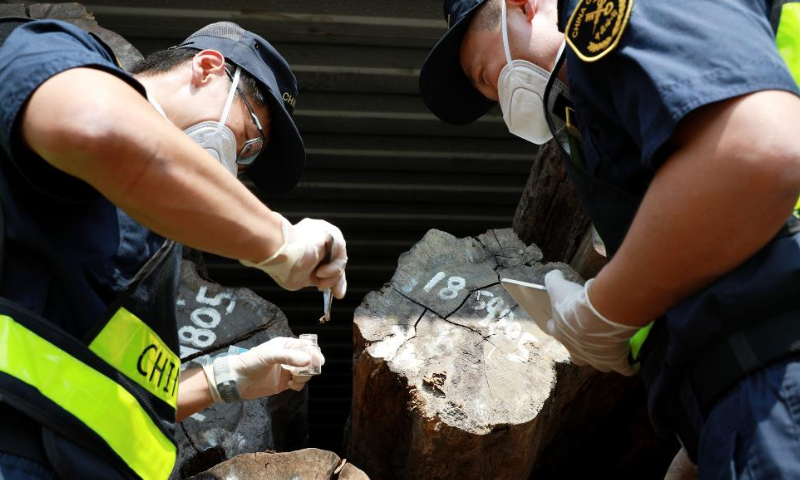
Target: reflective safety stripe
x=797 y=209
x=788 y=38
x=788 y=41
x=133 y=348
x=637 y=341
x=96 y=400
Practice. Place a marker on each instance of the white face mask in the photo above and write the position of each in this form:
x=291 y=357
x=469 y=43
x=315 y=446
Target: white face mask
x=521 y=90
x=215 y=137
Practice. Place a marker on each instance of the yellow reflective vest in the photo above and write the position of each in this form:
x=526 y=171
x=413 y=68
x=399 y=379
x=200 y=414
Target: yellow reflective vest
x=116 y=394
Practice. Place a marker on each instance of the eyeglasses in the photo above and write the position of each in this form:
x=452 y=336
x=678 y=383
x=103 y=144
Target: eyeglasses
x=251 y=148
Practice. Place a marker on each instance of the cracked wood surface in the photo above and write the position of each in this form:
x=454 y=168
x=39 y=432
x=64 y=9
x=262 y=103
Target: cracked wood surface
x=307 y=464
x=447 y=365
x=210 y=319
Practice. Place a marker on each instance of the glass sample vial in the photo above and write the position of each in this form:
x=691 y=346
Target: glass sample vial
x=310 y=346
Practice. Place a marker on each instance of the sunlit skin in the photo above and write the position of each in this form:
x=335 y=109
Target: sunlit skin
x=196 y=92
x=532 y=35
x=193 y=93
x=108 y=135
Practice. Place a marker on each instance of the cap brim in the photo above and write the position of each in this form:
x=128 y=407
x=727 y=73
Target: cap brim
x=444 y=86
x=278 y=169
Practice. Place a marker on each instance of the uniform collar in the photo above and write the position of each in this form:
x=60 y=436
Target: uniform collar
x=565 y=8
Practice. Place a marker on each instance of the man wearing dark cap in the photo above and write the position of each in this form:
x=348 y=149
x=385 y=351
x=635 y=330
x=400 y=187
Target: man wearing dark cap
x=677 y=124
x=103 y=174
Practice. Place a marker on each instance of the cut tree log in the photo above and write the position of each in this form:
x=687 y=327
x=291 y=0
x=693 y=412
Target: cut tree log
x=453 y=380
x=211 y=318
x=450 y=374
x=308 y=464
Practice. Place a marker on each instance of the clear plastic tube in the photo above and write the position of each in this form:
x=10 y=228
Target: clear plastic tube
x=311 y=346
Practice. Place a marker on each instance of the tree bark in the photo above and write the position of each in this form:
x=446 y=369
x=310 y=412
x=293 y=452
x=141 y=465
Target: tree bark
x=77 y=15
x=308 y=464
x=549 y=213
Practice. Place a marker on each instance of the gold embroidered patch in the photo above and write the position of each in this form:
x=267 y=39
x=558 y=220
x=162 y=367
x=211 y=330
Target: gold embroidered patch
x=595 y=27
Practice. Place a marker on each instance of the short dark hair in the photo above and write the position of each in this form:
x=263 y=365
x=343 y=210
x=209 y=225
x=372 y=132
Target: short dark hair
x=163 y=61
x=488 y=15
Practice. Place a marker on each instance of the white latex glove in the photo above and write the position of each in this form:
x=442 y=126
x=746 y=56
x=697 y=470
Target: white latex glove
x=313 y=253
x=266 y=369
x=681 y=467
x=589 y=337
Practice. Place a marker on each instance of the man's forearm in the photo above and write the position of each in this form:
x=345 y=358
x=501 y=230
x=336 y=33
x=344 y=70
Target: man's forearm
x=193 y=393
x=150 y=169
x=708 y=209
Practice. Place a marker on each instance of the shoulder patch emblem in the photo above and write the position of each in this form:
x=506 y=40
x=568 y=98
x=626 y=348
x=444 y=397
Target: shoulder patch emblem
x=596 y=26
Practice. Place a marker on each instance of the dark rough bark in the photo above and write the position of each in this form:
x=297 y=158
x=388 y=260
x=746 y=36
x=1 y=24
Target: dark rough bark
x=14 y=10
x=308 y=464
x=210 y=319
x=76 y=14
x=549 y=213
x=590 y=257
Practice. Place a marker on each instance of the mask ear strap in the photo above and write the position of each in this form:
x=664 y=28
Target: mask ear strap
x=504 y=25
x=229 y=102
x=156 y=105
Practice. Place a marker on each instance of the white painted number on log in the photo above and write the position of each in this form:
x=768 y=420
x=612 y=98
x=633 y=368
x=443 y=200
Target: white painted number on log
x=214 y=302
x=506 y=324
x=200 y=335
x=454 y=285
x=522 y=354
x=212 y=315
x=436 y=278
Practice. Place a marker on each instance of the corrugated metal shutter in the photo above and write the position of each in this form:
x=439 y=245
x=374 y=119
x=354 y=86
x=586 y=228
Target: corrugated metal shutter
x=380 y=166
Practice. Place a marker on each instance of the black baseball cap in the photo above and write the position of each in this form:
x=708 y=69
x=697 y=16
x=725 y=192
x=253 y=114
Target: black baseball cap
x=281 y=163
x=445 y=87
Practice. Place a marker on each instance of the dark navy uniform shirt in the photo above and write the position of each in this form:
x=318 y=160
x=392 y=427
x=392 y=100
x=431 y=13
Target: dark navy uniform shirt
x=673 y=58
x=67 y=251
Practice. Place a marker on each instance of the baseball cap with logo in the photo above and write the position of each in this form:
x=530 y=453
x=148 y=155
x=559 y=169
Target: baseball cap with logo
x=445 y=88
x=281 y=163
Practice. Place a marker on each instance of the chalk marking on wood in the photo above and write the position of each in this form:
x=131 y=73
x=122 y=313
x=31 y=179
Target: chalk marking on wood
x=409 y=286
x=388 y=347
